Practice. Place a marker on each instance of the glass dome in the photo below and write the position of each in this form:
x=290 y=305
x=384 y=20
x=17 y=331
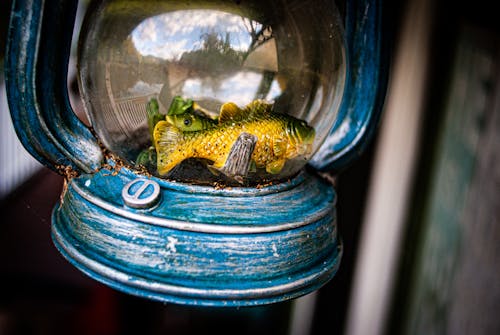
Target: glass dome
x=241 y=92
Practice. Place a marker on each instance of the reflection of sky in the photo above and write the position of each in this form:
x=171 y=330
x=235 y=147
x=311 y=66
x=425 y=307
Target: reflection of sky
x=169 y=35
x=237 y=89
x=142 y=88
x=274 y=92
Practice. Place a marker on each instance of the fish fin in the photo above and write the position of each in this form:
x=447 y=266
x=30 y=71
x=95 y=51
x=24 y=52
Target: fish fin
x=205 y=112
x=258 y=107
x=276 y=166
x=279 y=147
x=229 y=111
x=168 y=150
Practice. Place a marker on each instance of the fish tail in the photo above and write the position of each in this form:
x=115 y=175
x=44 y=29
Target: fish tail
x=168 y=142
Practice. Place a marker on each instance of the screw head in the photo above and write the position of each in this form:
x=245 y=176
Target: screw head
x=141 y=193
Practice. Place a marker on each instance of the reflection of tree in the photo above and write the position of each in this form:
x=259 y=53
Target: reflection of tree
x=127 y=67
x=212 y=60
x=259 y=33
x=215 y=57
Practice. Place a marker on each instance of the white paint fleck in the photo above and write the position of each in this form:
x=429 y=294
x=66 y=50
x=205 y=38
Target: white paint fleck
x=275 y=250
x=87 y=183
x=172 y=241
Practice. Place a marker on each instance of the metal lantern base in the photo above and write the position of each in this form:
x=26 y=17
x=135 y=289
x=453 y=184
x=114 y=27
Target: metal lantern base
x=200 y=245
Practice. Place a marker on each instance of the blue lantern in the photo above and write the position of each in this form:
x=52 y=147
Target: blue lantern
x=199 y=181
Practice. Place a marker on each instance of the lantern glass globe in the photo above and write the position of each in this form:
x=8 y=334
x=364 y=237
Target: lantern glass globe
x=146 y=67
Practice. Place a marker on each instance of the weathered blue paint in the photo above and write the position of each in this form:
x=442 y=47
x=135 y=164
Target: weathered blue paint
x=198 y=245
x=221 y=247
x=36 y=69
x=364 y=92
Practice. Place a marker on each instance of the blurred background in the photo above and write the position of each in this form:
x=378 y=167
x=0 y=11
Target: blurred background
x=418 y=212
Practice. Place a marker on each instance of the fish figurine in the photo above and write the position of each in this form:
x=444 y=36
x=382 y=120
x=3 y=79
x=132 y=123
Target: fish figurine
x=184 y=114
x=279 y=138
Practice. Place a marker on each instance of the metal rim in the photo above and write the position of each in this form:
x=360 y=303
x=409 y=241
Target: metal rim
x=275 y=291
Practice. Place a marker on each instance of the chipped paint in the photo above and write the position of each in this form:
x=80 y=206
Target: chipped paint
x=172 y=241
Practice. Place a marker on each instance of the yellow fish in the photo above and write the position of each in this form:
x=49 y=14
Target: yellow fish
x=279 y=138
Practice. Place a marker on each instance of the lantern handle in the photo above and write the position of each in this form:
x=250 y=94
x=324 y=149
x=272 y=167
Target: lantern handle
x=37 y=55
x=365 y=87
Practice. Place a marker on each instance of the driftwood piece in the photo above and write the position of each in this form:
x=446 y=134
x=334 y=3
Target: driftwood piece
x=239 y=159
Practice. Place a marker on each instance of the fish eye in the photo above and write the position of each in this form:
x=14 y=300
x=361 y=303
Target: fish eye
x=187 y=122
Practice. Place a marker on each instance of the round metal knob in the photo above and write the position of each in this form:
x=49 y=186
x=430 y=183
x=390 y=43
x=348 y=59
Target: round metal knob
x=141 y=193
